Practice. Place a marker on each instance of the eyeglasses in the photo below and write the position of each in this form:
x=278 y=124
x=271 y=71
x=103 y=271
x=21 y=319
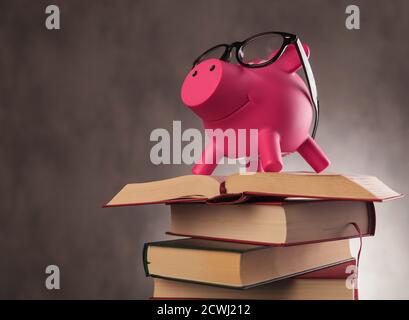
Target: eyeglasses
x=262 y=50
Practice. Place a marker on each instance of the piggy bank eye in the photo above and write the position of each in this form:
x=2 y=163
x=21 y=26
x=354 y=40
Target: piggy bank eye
x=194 y=73
x=212 y=67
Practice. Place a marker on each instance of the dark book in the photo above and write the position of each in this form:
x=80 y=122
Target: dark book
x=238 y=265
x=281 y=223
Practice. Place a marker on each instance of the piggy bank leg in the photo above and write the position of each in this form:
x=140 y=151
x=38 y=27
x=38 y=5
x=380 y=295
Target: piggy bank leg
x=270 y=150
x=313 y=154
x=209 y=159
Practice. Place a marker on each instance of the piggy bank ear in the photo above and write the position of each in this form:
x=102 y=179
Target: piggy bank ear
x=290 y=60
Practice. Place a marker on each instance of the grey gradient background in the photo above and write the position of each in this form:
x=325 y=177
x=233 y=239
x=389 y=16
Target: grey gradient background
x=77 y=107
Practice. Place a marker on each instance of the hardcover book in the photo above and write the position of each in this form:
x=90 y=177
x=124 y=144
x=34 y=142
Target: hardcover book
x=326 y=284
x=282 y=223
x=238 y=265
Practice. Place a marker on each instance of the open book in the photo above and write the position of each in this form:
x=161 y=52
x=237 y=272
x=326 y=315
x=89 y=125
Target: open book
x=260 y=186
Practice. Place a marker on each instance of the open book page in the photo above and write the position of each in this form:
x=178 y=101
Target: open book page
x=183 y=187
x=309 y=185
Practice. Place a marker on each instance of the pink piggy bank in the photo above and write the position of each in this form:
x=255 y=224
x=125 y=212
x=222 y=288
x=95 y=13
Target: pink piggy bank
x=273 y=99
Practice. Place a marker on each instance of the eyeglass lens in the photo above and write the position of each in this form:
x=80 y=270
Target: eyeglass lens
x=261 y=49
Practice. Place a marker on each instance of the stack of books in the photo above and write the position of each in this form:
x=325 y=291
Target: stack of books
x=259 y=236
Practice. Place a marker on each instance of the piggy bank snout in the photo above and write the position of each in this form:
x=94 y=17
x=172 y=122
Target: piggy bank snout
x=201 y=82
x=214 y=89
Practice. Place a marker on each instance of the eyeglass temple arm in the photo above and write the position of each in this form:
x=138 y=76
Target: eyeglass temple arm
x=311 y=84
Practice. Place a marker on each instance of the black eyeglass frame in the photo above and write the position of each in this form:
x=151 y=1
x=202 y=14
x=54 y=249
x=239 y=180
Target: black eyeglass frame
x=288 y=39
